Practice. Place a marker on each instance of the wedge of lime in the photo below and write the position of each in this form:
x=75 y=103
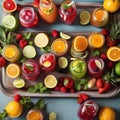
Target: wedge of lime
x=19 y=83
x=52 y=116
x=10 y=22
x=85 y=17
x=64 y=36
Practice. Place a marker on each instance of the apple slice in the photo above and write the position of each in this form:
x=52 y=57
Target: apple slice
x=47 y=64
x=98 y=64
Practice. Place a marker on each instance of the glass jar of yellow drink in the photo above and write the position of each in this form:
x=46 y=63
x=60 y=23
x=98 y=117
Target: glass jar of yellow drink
x=11 y=53
x=99 y=17
x=59 y=46
x=79 y=44
x=96 y=40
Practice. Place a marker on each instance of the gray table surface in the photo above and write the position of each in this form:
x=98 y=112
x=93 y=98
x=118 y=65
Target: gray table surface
x=66 y=108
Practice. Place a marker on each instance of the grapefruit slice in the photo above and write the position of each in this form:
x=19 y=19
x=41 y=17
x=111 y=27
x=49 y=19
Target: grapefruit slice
x=9 y=5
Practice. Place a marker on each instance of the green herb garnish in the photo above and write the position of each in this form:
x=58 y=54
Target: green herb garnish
x=45 y=49
x=3 y=115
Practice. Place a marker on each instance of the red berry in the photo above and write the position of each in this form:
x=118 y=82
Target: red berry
x=80 y=100
x=101 y=90
x=17 y=98
x=23 y=43
x=68 y=82
x=85 y=97
x=104 y=31
x=110 y=64
x=55 y=33
x=2 y=62
x=103 y=56
x=63 y=89
x=72 y=90
x=57 y=88
x=99 y=83
x=19 y=7
x=70 y=10
x=36 y=3
x=107 y=85
x=18 y=37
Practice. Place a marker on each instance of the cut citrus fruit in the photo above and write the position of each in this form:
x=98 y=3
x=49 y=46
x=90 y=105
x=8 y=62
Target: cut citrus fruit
x=80 y=43
x=63 y=62
x=19 y=83
x=9 y=5
x=13 y=70
x=10 y=22
x=64 y=36
x=14 y=109
x=41 y=40
x=85 y=17
x=98 y=64
x=52 y=116
x=50 y=81
x=113 y=53
x=29 y=51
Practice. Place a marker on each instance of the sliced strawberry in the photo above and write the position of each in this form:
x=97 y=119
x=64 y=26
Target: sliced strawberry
x=18 y=37
x=3 y=62
x=17 y=98
x=99 y=83
x=101 y=90
x=68 y=82
x=80 y=100
x=36 y=3
x=107 y=85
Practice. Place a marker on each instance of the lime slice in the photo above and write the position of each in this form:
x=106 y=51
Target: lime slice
x=50 y=81
x=64 y=36
x=19 y=83
x=63 y=62
x=10 y=22
x=29 y=51
x=52 y=116
x=84 y=17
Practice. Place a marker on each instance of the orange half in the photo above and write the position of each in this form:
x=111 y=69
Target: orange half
x=13 y=70
x=113 y=53
x=80 y=43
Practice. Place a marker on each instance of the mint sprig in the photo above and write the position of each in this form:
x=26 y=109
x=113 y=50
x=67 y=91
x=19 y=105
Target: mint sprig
x=3 y=115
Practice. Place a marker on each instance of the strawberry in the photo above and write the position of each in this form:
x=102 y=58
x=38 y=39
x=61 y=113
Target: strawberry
x=36 y=3
x=19 y=7
x=68 y=82
x=70 y=10
x=23 y=43
x=85 y=97
x=3 y=62
x=104 y=31
x=17 y=98
x=99 y=83
x=103 y=56
x=63 y=89
x=110 y=64
x=18 y=37
x=55 y=33
x=101 y=90
x=72 y=90
x=80 y=100
x=110 y=42
x=57 y=88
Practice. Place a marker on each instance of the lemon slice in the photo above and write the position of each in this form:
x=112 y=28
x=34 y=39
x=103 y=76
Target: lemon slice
x=63 y=62
x=64 y=36
x=98 y=64
x=50 y=81
x=52 y=116
x=41 y=40
x=19 y=83
x=84 y=17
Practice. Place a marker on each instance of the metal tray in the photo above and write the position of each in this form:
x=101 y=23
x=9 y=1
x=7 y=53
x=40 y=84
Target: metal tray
x=6 y=83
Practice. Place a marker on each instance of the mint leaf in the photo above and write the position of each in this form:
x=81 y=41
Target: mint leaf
x=27 y=36
x=45 y=49
x=40 y=104
x=32 y=89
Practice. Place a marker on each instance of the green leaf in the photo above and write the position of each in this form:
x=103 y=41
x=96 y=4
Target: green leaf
x=27 y=36
x=77 y=86
x=95 y=53
x=3 y=115
x=45 y=49
x=40 y=104
x=83 y=81
x=44 y=88
x=32 y=89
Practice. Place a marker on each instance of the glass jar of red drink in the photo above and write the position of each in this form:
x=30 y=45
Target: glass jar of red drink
x=95 y=67
x=68 y=11
x=28 y=17
x=88 y=110
x=30 y=70
x=47 y=61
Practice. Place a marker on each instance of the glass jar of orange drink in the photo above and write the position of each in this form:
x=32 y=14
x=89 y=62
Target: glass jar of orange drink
x=59 y=46
x=99 y=17
x=48 y=10
x=79 y=44
x=11 y=53
x=96 y=40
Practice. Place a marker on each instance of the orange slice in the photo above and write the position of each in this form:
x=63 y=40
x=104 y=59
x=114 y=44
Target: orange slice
x=41 y=40
x=13 y=70
x=80 y=43
x=50 y=81
x=113 y=53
